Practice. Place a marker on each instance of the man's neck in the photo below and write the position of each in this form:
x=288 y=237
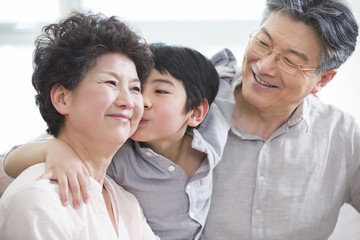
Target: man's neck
x=256 y=121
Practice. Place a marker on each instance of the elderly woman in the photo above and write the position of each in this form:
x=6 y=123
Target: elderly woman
x=87 y=76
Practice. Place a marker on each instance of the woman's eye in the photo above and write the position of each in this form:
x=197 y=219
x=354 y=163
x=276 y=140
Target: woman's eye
x=111 y=82
x=136 y=89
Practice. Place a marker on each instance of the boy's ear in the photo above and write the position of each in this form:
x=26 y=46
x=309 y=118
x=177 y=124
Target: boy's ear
x=59 y=99
x=198 y=114
x=325 y=78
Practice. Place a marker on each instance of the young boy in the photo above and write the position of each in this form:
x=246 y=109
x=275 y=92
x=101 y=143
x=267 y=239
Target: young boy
x=169 y=161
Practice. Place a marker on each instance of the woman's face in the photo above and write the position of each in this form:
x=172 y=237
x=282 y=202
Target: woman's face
x=107 y=105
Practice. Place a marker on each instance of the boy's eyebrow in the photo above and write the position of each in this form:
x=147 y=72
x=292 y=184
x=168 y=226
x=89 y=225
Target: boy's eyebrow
x=163 y=81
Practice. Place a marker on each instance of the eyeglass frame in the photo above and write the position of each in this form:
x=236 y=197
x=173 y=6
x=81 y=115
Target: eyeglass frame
x=279 y=56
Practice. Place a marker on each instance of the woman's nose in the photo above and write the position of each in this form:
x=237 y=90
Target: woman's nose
x=124 y=100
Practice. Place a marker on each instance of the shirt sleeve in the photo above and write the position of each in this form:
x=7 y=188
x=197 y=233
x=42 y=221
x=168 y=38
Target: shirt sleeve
x=4 y=159
x=354 y=167
x=214 y=129
x=40 y=139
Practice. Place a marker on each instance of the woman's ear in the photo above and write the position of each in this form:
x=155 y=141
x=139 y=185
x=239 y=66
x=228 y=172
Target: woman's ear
x=325 y=78
x=198 y=114
x=59 y=99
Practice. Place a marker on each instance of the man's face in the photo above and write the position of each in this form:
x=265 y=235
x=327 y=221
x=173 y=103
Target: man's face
x=268 y=87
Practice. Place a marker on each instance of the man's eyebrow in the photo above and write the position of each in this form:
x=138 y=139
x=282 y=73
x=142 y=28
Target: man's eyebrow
x=292 y=51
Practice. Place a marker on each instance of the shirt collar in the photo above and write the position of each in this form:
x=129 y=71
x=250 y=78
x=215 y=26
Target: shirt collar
x=198 y=143
x=301 y=112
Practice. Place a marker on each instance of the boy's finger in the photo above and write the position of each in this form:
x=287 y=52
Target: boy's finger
x=47 y=175
x=75 y=191
x=64 y=190
x=84 y=185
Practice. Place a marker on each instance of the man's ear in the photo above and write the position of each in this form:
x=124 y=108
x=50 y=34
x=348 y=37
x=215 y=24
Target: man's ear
x=325 y=78
x=60 y=99
x=198 y=114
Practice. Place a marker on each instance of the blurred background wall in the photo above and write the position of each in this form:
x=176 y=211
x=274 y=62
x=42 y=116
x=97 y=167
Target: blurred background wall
x=206 y=25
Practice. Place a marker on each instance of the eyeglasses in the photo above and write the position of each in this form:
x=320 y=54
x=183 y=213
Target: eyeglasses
x=282 y=61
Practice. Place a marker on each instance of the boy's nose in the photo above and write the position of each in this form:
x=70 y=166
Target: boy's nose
x=147 y=103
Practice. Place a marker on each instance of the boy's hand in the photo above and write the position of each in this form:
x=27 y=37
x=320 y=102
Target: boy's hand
x=64 y=166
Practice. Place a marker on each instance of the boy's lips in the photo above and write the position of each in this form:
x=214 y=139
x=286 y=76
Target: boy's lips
x=143 y=121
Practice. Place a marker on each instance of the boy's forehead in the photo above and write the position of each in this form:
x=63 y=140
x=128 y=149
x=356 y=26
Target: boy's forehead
x=165 y=77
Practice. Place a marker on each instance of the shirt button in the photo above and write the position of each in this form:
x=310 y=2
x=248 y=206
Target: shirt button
x=148 y=153
x=171 y=168
x=258 y=211
x=191 y=214
x=261 y=178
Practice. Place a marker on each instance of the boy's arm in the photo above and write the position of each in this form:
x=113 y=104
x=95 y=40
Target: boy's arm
x=21 y=157
x=214 y=129
x=62 y=164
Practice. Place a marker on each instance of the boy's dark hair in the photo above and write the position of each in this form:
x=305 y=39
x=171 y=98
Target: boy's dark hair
x=333 y=22
x=198 y=74
x=68 y=49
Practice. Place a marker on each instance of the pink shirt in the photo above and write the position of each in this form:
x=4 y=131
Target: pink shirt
x=31 y=209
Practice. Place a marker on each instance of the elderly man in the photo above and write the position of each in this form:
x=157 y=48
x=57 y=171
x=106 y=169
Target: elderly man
x=290 y=161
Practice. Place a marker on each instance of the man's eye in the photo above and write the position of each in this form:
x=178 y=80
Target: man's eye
x=290 y=62
x=263 y=44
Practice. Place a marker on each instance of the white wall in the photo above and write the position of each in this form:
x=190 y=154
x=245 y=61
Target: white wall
x=20 y=120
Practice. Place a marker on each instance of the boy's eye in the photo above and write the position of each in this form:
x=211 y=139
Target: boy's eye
x=160 y=91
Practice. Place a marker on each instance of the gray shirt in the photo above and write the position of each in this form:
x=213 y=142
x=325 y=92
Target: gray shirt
x=292 y=185
x=175 y=206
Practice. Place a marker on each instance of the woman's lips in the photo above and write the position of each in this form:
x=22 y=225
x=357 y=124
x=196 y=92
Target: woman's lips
x=121 y=117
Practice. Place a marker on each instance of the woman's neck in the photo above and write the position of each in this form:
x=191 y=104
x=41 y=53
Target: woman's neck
x=96 y=157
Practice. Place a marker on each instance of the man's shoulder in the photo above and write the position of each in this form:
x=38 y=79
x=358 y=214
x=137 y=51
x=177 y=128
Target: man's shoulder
x=327 y=113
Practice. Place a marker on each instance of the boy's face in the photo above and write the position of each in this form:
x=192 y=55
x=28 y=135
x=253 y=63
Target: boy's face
x=164 y=116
